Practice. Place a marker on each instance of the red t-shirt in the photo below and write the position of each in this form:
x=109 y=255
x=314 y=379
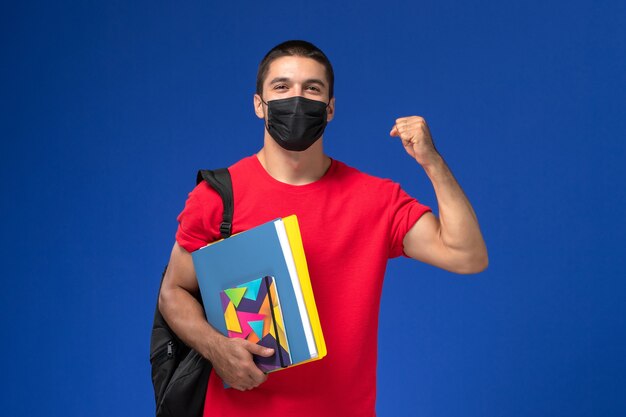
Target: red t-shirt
x=351 y=223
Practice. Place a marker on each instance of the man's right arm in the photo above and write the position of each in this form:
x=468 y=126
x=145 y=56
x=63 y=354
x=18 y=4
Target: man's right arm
x=231 y=357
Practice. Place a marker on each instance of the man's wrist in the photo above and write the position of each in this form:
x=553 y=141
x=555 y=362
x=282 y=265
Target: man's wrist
x=433 y=163
x=210 y=344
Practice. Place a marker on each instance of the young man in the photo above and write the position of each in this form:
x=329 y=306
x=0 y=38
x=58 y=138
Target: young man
x=351 y=223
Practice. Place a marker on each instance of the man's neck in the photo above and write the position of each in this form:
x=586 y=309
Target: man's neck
x=295 y=168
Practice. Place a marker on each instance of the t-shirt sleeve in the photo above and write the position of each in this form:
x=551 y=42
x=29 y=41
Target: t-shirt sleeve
x=198 y=223
x=404 y=212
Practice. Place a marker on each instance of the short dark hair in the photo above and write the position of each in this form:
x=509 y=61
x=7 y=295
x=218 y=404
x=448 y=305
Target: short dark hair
x=295 y=48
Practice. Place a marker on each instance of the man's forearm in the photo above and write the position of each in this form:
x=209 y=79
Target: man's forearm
x=185 y=316
x=459 y=229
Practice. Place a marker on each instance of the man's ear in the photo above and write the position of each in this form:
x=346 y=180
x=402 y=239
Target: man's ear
x=258 y=107
x=330 y=110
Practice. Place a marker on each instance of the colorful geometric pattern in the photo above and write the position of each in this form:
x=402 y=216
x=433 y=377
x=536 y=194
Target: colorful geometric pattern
x=252 y=312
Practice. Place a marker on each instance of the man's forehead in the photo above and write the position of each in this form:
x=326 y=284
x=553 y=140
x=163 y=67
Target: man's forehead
x=296 y=68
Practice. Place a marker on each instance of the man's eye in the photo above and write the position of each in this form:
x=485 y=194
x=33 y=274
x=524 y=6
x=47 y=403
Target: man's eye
x=313 y=88
x=280 y=87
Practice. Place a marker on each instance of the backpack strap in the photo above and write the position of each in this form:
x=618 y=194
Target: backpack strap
x=221 y=182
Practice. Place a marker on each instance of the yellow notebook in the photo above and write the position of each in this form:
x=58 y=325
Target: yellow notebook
x=297 y=250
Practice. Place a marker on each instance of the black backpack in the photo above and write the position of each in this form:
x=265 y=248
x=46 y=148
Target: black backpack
x=180 y=375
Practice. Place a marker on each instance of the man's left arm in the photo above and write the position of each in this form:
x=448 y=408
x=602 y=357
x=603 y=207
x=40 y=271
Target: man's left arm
x=453 y=241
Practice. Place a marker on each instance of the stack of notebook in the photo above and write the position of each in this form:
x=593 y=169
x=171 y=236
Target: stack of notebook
x=255 y=285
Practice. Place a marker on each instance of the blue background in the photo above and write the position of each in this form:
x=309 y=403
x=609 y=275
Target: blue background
x=109 y=108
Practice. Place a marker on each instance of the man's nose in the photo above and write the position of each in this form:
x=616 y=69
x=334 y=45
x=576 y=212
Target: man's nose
x=297 y=90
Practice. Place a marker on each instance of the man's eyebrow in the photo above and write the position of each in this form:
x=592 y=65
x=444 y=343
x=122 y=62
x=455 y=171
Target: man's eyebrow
x=309 y=81
x=315 y=81
x=280 y=80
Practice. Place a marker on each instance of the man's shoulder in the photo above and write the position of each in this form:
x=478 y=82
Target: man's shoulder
x=242 y=166
x=245 y=163
x=357 y=176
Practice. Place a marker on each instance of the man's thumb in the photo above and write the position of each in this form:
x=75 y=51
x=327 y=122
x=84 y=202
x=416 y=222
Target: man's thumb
x=259 y=350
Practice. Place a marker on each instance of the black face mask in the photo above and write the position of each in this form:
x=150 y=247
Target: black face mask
x=296 y=123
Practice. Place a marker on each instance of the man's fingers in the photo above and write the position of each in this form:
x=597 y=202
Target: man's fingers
x=252 y=379
x=255 y=376
x=400 y=132
x=401 y=127
x=258 y=377
x=259 y=350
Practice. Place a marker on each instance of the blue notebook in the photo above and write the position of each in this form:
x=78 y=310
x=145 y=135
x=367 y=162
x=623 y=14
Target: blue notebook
x=251 y=254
